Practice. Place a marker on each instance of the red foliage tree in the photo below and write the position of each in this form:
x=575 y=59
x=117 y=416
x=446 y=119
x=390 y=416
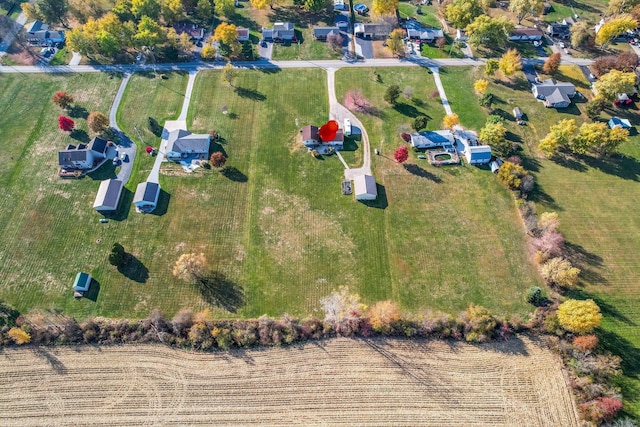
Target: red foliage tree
x=218 y=159
x=610 y=407
x=401 y=155
x=62 y=100
x=66 y=124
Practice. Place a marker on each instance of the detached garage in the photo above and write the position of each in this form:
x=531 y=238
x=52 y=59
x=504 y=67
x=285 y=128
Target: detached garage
x=108 y=196
x=365 y=187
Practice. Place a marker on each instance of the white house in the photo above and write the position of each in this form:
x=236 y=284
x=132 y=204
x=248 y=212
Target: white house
x=82 y=156
x=339 y=5
x=554 y=94
x=108 y=196
x=311 y=138
x=146 y=198
x=365 y=187
x=477 y=154
x=431 y=139
x=182 y=143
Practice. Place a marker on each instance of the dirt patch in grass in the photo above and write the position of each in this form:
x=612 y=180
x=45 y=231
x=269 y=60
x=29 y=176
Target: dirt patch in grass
x=390 y=382
x=380 y=51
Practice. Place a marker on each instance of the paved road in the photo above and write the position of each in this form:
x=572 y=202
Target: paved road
x=335 y=64
x=125 y=144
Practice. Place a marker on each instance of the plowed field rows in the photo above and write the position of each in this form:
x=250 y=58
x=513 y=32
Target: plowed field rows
x=341 y=381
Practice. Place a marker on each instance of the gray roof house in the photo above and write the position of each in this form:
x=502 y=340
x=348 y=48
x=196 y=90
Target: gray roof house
x=617 y=122
x=182 y=143
x=83 y=157
x=526 y=34
x=45 y=37
x=321 y=33
x=372 y=31
x=416 y=31
x=365 y=187
x=281 y=31
x=554 y=94
x=146 y=198
x=36 y=25
x=430 y=139
x=561 y=31
x=108 y=196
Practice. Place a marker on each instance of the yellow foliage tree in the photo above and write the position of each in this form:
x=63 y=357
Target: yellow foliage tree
x=190 y=267
x=383 y=314
x=481 y=86
x=228 y=34
x=19 y=336
x=510 y=63
x=614 y=27
x=559 y=271
x=208 y=53
x=384 y=7
x=580 y=317
x=395 y=42
x=450 y=121
x=549 y=145
x=613 y=83
x=262 y=4
x=548 y=222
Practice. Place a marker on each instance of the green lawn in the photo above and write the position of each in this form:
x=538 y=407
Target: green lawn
x=595 y=200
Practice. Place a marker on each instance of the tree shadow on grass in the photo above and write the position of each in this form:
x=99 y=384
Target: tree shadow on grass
x=217 y=289
x=106 y=171
x=134 y=269
x=78 y=112
x=126 y=199
x=80 y=135
x=630 y=354
x=586 y=261
x=421 y=172
x=407 y=110
x=620 y=165
x=569 y=163
x=380 y=202
x=232 y=173
x=538 y=195
x=250 y=94
x=94 y=290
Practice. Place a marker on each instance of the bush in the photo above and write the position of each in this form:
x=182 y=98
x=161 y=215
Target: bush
x=383 y=316
x=535 y=296
x=217 y=160
x=580 y=317
x=478 y=324
x=19 y=336
x=558 y=271
x=585 y=342
x=65 y=123
x=116 y=256
x=420 y=123
x=600 y=409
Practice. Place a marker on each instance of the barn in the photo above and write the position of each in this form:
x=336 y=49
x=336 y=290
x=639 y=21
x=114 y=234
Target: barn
x=108 y=196
x=365 y=187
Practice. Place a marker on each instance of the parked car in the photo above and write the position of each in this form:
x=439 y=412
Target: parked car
x=116 y=161
x=263 y=43
x=124 y=157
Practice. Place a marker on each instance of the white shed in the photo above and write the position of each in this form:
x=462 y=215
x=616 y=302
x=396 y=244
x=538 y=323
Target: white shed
x=108 y=196
x=365 y=187
x=146 y=197
x=347 y=127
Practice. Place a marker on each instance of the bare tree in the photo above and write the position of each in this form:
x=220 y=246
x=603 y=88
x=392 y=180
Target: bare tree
x=190 y=267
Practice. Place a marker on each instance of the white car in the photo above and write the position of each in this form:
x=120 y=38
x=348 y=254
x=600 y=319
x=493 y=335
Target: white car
x=123 y=157
x=562 y=45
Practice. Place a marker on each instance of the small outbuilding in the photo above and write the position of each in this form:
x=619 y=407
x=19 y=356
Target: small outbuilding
x=365 y=187
x=617 y=122
x=495 y=165
x=81 y=284
x=146 y=198
x=478 y=154
x=347 y=127
x=108 y=196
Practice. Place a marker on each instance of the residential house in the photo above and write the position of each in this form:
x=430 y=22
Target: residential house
x=182 y=143
x=461 y=35
x=365 y=187
x=340 y=5
x=146 y=197
x=311 y=138
x=432 y=139
x=342 y=21
x=83 y=156
x=526 y=34
x=617 y=122
x=35 y=26
x=243 y=34
x=372 y=31
x=570 y=20
x=321 y=33
x=559 y=30
x=416 y=31
x=45 y=37
x=108 y=196
x=478 y=154
x=281 y=32
x=554 y=94
x=192 y=30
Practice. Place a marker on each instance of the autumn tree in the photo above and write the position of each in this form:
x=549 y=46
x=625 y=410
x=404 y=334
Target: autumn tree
x=481 y=86
x=171 y=11
x=580 y=317
x=395 y=42
x=383 y=315
x=262 y=4
x=19 y=336
x=225 y=7
x=62 y=100
x=489 y=32
x=614 y=27
x=560 y=135
x=450 y=121
x=208 y=53
x=97 y=122
x=149 y=33
x=494 y=134
x=621 y=6
x=229 y=74
x=190 y=267
x=50 y=11
x=204 y=9
x=314 y=5
x=548 y=222
x=598 y=138
x=510 y=62
x=392 y=94
x=549 y=145
x=558 y=271
x=580 y=33
x=65 y=123
x=511 y=175
x=552 y=64
x=342 y=305
x=522 y=8
x=462 y=12
x=227 y=35
x=150 y=8
x=420 y=123
x=384 y=7
x=401 y=154
x=626 y=61
x=491 y=66
x=614 y=83
x=116 y=256
x=217 y=160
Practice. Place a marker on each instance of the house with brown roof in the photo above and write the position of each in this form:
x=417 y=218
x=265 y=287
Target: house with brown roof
x=526 y=34
x=243 y=34
x=311 y=138
x=192 y=30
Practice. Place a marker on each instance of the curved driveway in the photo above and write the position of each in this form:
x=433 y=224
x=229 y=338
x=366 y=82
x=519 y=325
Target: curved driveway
x=125 y=144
